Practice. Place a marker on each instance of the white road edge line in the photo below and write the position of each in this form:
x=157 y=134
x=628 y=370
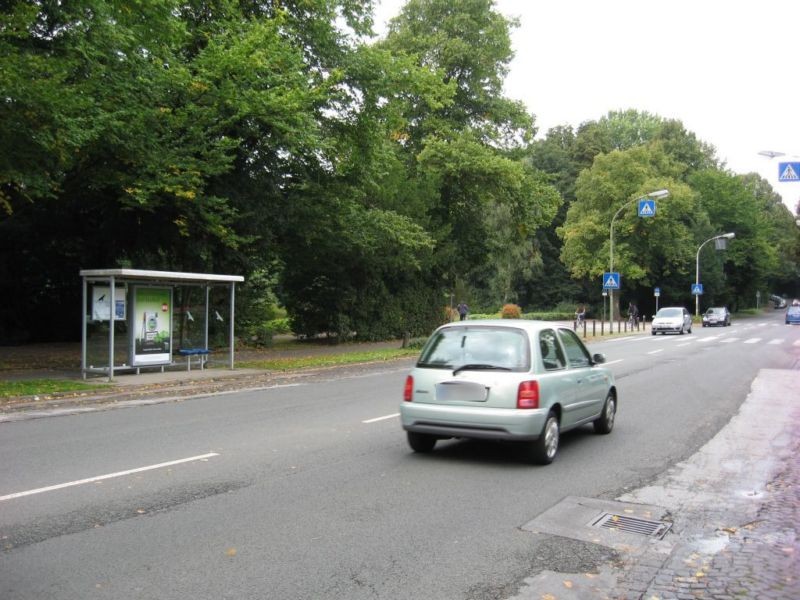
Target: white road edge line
x=60 y=486
x=392 y=416
x=613 y=362
x=656 y=351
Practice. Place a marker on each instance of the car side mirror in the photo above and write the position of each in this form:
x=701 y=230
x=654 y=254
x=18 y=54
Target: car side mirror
x=599 y=358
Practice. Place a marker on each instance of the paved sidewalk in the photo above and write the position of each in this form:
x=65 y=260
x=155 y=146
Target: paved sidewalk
x=734 y=510
x=736 y=506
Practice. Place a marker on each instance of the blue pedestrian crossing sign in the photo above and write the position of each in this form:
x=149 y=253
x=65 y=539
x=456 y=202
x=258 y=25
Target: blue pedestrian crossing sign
x=611 y=281
x=647 y=208
x=697 y=289
x=789 y=171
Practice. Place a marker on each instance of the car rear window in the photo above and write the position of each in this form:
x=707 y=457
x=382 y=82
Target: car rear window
x=453 y=347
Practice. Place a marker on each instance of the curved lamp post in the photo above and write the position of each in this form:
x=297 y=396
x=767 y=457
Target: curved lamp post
x=655 y=195
x=727 y=236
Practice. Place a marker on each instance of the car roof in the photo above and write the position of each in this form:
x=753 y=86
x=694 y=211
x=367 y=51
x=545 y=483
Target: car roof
x=528 y=325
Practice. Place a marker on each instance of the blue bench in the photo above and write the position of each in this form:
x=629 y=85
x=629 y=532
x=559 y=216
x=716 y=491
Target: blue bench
x=201 y=353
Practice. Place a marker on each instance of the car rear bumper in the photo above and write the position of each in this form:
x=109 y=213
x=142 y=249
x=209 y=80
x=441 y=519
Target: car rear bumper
x=665 y=329
x=477 y=423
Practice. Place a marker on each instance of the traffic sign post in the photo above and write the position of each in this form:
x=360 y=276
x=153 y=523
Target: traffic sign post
x=647 y=208
x=789 y=171
x=657 y=293
x=697 y=289
x=611 y=281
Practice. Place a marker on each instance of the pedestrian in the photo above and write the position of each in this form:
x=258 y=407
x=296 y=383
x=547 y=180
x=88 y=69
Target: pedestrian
x=633 y=314
x=462 y=309
x=580 y=314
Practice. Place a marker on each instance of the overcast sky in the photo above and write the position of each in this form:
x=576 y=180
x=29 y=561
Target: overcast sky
x=729 y=70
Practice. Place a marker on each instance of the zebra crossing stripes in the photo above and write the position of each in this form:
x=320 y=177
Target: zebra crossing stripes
x=752 y=341
x=776 y=341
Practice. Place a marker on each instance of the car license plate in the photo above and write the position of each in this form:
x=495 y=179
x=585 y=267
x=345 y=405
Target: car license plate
x=461 y=391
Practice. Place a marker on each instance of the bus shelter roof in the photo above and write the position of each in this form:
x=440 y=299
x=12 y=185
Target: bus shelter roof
x=176 y=277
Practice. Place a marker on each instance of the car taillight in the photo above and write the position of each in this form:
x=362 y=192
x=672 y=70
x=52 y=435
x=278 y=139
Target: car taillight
x=528 y=394
x=408 y=390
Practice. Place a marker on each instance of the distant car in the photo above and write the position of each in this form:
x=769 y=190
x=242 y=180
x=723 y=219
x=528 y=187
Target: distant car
x=718 y=315
x=509 y=380
x=777 y=301
x=672 y=319
x=793 y=315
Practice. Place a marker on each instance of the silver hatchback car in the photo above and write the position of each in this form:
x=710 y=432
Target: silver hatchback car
x=513 y=380
x=671 y=319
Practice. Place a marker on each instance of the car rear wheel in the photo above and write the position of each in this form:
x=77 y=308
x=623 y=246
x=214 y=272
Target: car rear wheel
x=605 y=422
x=543 y=450
x=421 y=442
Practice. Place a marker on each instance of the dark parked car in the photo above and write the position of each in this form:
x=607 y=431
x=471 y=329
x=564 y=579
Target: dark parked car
x=793 y=315
x=778 y=301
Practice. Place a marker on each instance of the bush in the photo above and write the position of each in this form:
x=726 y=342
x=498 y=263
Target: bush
x=511 y=311
x=262 y=334
x=550 y=316
x=450 y=314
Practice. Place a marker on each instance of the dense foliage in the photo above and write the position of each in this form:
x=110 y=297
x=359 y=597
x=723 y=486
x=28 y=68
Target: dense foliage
x=361 y=184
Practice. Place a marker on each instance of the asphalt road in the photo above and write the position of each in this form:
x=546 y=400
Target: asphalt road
x=310 y=491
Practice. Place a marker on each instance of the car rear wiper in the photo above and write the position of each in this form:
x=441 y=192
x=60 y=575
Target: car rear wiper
x=480 y=367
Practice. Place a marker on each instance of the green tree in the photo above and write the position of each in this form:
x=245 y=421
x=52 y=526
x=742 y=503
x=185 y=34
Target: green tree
x=646 y=251
x=464 y=154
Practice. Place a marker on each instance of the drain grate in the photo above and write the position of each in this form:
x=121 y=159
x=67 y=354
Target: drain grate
x=636 y=525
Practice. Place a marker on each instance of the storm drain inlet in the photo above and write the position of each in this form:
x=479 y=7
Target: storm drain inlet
x=635 y=525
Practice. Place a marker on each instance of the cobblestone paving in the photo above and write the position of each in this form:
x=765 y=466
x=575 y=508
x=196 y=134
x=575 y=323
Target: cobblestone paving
x=758 y=559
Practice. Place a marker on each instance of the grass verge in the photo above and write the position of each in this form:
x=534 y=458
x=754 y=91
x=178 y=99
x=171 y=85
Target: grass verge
x=40 y=387
x=328 y=360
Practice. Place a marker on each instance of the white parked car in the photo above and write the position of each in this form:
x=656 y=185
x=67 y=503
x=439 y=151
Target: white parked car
x=672 y=319
x=512 y=380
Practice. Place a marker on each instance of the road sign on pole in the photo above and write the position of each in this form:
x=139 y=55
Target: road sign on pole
x=789 y=171
x=647 y=208
x=611 y=281
x=697 y=289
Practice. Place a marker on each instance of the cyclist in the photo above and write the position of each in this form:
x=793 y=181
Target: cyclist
x=633 y=315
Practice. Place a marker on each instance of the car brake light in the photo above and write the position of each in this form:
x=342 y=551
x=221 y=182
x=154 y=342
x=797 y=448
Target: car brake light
x=528 y=394
x=408 y=390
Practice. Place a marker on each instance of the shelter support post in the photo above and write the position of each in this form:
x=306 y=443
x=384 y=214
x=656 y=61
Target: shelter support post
x=112 y=296
x=230 y=326
x=83 y=327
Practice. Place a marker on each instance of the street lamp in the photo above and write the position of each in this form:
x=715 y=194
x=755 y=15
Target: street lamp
x=771 y=153
x=655 y=195
x=726 y=236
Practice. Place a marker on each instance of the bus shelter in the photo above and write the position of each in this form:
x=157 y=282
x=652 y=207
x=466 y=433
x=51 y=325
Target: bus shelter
x=147 y=325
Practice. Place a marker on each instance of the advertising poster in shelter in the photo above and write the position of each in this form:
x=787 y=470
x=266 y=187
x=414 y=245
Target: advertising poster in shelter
x=101 y=303
x=152 y=326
